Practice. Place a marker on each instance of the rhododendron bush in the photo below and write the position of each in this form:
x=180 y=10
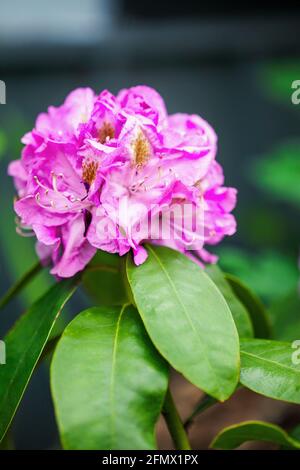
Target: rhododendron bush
x=126 y=202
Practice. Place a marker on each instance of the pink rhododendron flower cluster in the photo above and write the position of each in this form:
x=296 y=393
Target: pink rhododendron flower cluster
x=93 y=155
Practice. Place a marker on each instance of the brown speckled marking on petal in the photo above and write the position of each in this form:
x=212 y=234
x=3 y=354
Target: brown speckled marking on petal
x=141 y=150
x=89 y=171
x=106 y=132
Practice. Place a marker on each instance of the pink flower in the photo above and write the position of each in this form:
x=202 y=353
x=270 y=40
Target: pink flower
x=109 y=173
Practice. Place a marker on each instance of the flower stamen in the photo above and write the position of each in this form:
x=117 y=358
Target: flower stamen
x=89 y=171
x=106 y=132
x=141 y=150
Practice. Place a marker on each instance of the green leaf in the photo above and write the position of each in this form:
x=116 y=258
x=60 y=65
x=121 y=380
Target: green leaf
x=3 y=143
x=12 y=244
x=24 y=345
x=233 y=436
x=20 y=284
x=239 y=312
x=276 y=78
x=7 y=442
x=285 y=316
x=267 y=367
x=258 y=314
x=187 y=319
x=108 y=382
x=295 y=433
x=279 y=173
x=103 y=280
x=204 y=403
x=274 y=275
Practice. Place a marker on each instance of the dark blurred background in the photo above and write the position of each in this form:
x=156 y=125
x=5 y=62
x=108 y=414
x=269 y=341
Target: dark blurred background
x=232 y=65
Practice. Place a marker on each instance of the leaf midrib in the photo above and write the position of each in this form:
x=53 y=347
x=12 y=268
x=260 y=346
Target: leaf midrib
x=186 y=312
x=277 y=364
x=113 y=374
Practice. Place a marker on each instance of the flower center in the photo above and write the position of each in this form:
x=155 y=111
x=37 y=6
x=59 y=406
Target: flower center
x=89 y=171
x=141 y=150
x=106 y=132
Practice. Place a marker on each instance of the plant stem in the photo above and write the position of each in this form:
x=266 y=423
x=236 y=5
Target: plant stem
x=174 y=423
x=14 y=290
x=204 y=403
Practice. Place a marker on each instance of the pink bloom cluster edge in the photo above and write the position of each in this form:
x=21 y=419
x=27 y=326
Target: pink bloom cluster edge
x=89 y=156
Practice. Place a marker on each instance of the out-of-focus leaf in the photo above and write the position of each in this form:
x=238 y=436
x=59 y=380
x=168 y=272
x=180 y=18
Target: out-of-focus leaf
x=277 y=77
x=205 y=403
x=285 y=316
x=233 y=436
x=108 y=381
x=275 y=274
x=279 y=173
x=14 y=127
x=237 y=308
x=18 y=251
x=295 y=433
x=258 y=314
x=187 y=319
x=267 y=367
x=20 y=284
x=24 y=345
x=3 y=143
x=269 y=225
x=103 y=280
x=7 y=442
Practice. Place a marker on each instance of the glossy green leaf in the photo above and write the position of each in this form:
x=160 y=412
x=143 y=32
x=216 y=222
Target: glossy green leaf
x=108 y=381
x=233 y=436
x=103 y=280
x=187 y=319
x=285 y=316
x=238 y=310
x=24 y=345
x=258 y=314
x=269 y=368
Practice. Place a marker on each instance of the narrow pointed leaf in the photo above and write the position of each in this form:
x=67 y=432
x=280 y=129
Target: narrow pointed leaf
x=258 y=314
x=108 y=381
x=24 y=345
x=187 y=319
x=20 y=284
x=234 y=436
x=267 y=367
x=238 y=310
